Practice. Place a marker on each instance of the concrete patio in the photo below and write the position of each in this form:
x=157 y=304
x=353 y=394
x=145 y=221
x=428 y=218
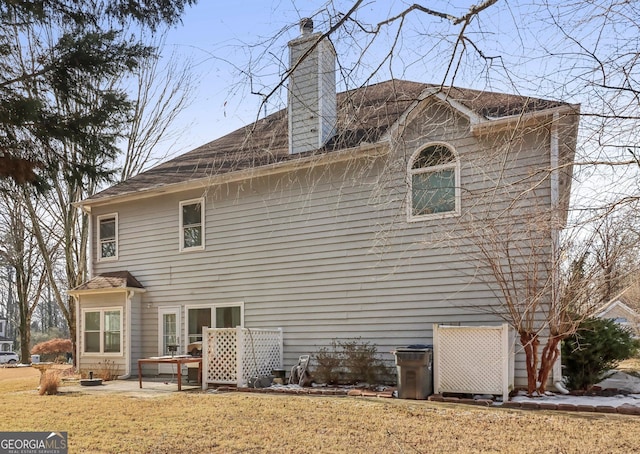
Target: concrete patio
x=151 y=387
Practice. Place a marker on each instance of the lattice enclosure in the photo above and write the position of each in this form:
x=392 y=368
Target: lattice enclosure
x=473 y=359
x=235 y=355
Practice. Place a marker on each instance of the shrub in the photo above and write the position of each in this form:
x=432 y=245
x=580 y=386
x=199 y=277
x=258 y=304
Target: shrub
x=328 y=365
x=49 y=383
x=597 y=347
x=349 y=361
x=107 y=370
x=50 y=350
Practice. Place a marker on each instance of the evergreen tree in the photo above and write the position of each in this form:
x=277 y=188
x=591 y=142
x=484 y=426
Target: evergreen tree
x=54 y=54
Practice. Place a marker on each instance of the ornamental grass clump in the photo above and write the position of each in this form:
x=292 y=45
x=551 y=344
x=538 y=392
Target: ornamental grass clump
x=49 y=383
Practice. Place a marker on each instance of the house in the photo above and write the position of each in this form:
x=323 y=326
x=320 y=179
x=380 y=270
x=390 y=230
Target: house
x=620 y=311
x=338 y=217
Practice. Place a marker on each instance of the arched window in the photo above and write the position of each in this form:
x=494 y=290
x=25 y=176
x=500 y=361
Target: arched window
x=433 y=177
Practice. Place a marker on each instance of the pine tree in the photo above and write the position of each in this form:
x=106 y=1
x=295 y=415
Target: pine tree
x=54 y=56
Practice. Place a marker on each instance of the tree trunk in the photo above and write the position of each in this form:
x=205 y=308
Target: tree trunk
x=25 y=339
x=530 y=344
x=71 y=321
x=550 y=354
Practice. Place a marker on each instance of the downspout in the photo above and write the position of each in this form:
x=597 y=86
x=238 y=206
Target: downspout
x=554 y=147
x=87 y=210
x=127 y=353
x=78 y=322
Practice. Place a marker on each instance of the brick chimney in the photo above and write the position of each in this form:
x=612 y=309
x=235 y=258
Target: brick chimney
x=312 y=91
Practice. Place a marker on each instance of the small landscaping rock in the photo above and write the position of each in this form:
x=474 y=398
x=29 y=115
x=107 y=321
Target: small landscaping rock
x=605 y=409
x=511 y=404
x=547 y=406
x=627 y=409
x=590 y=408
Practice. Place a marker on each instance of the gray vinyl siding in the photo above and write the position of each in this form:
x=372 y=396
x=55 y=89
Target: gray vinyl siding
x=327 y=253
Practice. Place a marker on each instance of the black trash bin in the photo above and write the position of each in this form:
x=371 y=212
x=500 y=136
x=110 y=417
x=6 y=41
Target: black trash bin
x=415 y=372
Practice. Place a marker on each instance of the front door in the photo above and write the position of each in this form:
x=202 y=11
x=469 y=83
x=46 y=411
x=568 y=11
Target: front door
x=169 y=336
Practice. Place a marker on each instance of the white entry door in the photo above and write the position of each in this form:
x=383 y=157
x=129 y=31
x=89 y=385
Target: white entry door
x=168 y=336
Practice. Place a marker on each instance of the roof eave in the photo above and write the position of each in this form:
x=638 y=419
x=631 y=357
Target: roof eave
x=379 y=148
x=102 y=291
x=487 y=126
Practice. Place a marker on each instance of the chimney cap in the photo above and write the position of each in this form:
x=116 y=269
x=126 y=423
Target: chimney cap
x=306 y=26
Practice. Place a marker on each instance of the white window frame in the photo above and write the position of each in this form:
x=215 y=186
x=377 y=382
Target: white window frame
x=202 y=224
x=100 y=218
x=102 y=310
x=212 y=307
x=455 y=165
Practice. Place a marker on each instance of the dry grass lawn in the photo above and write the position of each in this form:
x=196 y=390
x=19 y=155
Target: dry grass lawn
x=264 y=423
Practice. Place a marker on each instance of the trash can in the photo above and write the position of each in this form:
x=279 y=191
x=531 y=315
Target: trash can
x=35 y=359
x=415 y=371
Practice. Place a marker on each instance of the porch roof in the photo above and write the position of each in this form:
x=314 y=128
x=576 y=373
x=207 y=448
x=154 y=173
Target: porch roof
x=111 y=281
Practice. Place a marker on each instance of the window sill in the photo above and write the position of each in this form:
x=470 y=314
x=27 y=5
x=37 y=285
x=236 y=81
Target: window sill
x=192 y=249
x=434 y=216
x=108 y=259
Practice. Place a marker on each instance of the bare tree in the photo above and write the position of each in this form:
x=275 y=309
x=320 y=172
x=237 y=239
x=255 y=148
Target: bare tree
x=161 y=93
x=162 y=89
x=20 y=250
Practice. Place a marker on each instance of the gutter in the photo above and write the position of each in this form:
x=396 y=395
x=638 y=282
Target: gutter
x=490 y=125
x=377 y=149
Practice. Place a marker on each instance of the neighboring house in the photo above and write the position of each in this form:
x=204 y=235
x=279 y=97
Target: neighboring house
x=336 y=218
x=6 y=343
x=620 y=311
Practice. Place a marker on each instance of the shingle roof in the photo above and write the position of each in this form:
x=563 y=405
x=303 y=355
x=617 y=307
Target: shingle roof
x=364 y=115
x=111 y=280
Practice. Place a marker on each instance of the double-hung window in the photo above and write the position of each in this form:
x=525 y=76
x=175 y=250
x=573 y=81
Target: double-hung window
x=102 y=331
x=434 y=183
x=108 y=237
x=192 y=225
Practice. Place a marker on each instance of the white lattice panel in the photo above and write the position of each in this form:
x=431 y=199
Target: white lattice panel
x=221 y=356
x=473 y=360
x=262 y=353
x=234 y=355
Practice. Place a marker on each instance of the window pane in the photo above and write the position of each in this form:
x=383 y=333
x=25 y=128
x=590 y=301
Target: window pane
x=112 y=321
x=107 y=228
x=228 y=317
x=433 y=156
x=112 y=342
x=170 y=329
x=92 y=342
x=192 y=237
x=108 y=249
x=191 y=214
x=197 y=319
x=434 y=192
x=92 y=321
x=112 y=331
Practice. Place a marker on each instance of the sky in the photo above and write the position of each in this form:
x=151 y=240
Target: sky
x=217 y=37
x=228 y=40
